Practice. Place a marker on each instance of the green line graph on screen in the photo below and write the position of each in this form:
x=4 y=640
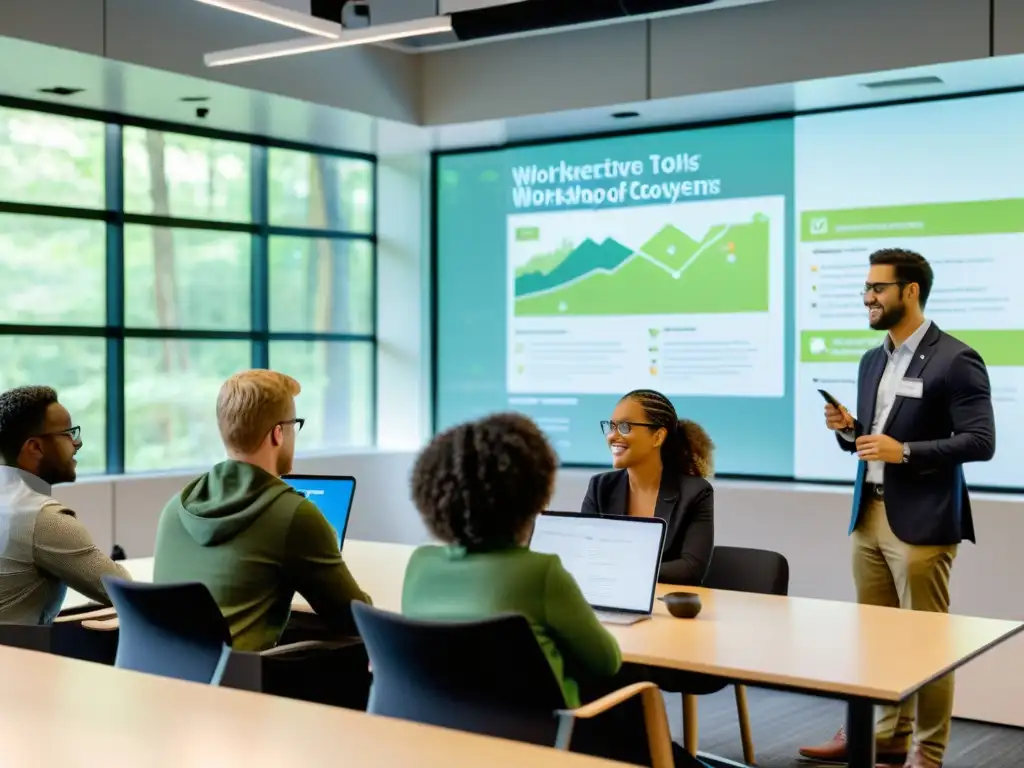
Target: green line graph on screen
x=656 y=260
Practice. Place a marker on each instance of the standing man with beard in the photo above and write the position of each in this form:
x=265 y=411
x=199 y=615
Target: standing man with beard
x=44 y=548
x=245 y=533
x=924 y=409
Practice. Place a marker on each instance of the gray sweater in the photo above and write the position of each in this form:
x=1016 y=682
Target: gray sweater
x=44 y=549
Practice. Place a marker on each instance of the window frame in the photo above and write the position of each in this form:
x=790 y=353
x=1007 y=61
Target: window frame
x=113 y=215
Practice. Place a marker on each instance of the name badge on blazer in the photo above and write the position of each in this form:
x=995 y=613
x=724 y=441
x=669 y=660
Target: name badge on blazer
x=911 y=388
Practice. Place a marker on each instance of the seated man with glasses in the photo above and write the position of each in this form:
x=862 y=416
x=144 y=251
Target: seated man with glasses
x=249 y=536
x=44 y=547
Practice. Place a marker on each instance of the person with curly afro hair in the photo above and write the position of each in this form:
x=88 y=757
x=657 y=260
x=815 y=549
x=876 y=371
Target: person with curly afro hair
x=479 y=488
x=662 y=465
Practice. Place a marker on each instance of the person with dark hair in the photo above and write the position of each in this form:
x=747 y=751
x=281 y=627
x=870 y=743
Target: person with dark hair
x=662 y=465
x=479 y=487
x=44 y=548
x=924 y=409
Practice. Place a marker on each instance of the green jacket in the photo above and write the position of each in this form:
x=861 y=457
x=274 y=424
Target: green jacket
x=449 y=584
x=254 y=542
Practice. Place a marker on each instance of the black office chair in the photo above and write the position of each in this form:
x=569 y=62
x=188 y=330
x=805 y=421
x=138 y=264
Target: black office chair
x=177 y=630
x=488 y=677
x=174 y=630
x=758 y=571
x=64 y=637
x=332 y=672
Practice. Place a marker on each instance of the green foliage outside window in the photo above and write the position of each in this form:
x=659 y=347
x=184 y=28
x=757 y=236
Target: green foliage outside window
x=183 y=285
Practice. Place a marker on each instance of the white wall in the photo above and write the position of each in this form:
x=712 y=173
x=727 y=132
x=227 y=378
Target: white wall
x=805 y=523
x=403 y=306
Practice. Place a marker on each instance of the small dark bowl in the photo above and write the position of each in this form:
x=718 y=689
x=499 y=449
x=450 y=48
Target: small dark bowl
x=682 y=605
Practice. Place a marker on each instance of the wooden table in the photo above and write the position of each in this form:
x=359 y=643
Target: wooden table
x=379 y=568
x=66 y=713
x=864 y=655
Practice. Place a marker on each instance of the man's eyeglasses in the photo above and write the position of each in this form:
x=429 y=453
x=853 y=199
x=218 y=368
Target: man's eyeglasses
x=299 y=423
x=879 y=288
x=623 y=427
x=75 y=433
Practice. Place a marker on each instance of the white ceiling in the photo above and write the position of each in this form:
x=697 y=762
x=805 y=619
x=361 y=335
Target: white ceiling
x=140 y=91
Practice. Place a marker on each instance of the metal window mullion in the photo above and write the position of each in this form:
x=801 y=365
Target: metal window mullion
x=115 y=376
x=260 y=267
x=374 y=299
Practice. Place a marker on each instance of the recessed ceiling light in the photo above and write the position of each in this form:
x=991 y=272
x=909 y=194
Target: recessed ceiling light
x=625 y=115
x=61 y=90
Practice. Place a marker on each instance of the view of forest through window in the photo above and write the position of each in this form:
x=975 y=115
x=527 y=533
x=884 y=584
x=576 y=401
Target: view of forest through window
x=191 y=307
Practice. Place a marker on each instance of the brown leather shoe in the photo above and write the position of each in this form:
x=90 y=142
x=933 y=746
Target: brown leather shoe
x=834 y=751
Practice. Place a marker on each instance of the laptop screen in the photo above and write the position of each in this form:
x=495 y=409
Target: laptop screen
x=615 y=560
x=332 y=495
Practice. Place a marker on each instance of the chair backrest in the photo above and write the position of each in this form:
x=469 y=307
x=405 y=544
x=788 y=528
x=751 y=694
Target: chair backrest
x=740 y=569
x=488 y=676
x=174 y=630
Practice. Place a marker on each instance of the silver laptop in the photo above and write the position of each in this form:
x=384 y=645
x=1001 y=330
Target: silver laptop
x=615 y=560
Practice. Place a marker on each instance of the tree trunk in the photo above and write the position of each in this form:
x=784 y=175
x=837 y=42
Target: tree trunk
x=164 y=279
x=332 y=307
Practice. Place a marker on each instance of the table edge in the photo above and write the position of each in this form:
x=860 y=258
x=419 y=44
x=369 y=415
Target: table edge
x=821 y=687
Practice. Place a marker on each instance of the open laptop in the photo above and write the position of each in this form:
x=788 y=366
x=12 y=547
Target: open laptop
x=614 y=559
x=332 y=494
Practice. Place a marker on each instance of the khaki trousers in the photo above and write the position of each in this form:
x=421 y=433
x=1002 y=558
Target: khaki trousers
x=891 y=573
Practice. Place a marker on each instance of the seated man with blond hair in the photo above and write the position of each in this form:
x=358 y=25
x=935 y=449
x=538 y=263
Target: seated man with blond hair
x=245 y=533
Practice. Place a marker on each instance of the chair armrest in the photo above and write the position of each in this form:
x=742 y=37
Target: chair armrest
x=613 y=699
x=102 y=625
x=304 y=645
x=99 y=613
x=659 y=736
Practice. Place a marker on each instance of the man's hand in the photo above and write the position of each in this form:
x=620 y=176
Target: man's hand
x=837 y=418
x=879 y=448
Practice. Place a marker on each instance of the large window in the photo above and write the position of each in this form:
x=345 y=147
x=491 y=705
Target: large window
x=141 y=265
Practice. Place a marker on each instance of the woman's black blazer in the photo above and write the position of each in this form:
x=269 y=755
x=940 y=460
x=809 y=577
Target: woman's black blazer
x=686 y=504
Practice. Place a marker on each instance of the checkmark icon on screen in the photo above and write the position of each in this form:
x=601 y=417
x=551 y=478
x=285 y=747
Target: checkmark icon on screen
x=819 y=226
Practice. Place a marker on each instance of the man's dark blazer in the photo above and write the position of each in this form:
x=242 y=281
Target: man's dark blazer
x=685 y=503
x=950 y=424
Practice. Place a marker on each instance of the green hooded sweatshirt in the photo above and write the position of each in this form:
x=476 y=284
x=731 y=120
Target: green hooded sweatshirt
x=254 y=542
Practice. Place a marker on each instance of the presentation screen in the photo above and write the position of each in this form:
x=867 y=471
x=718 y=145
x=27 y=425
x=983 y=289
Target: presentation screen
x=724 y=267
x=945 y=179
x=571 y=273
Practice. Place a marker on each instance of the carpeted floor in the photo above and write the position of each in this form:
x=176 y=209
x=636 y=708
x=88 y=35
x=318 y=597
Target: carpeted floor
x=783 y=722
